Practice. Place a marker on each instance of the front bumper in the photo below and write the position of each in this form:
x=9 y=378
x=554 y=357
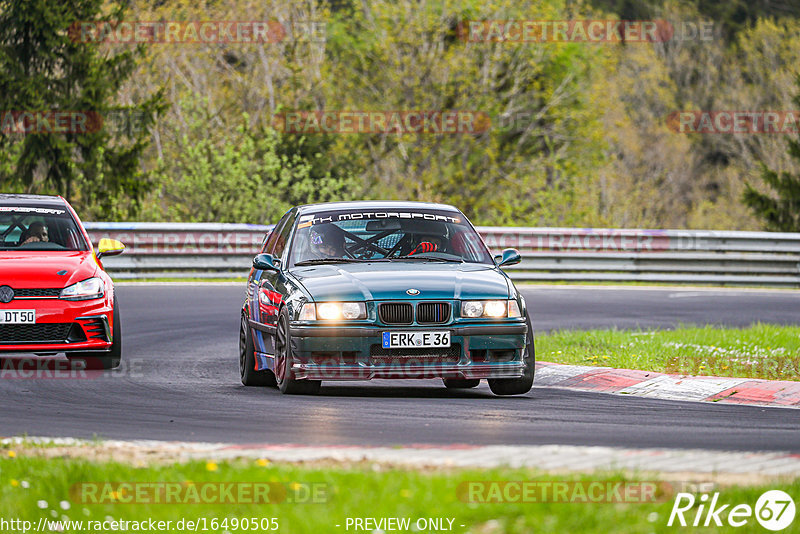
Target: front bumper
x=355 y=352
x=61 y=326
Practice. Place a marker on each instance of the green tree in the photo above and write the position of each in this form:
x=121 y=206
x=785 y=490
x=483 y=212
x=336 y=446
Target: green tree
x=252 y=174
x=780 y=208
x=781 y=214
x=734 y=16
x=529 y=166
x=44 y=67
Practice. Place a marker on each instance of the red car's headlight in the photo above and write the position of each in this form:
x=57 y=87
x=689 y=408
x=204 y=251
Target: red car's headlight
x=91 y=288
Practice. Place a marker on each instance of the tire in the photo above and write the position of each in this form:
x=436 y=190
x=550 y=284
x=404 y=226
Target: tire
x=522 y=385
x=461 y=383
x=247 y=359
x=100 y=360
x=283 y=362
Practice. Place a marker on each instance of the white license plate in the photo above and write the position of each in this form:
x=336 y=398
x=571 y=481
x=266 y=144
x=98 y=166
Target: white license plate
x=17 y=316
x=416 y=340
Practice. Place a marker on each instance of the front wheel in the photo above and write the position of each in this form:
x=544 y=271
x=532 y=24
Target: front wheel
x=100 y=360
x=283 y=362
x=247 y=359
x=522 y=385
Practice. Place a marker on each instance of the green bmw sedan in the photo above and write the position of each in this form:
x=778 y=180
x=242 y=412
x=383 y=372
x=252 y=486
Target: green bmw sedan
x=379 y=289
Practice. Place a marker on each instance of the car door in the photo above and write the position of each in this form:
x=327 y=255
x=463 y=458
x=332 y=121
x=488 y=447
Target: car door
x=271 y=285
x=258 y=306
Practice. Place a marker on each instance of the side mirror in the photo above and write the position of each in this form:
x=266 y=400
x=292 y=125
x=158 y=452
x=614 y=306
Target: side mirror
x=510 y=256
x=109 y=247
x=265 y=262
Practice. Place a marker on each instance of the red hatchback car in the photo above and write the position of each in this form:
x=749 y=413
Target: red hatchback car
x=55 y=295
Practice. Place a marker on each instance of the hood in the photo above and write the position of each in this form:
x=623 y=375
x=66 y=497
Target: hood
x=39 y=269
x=389 y=281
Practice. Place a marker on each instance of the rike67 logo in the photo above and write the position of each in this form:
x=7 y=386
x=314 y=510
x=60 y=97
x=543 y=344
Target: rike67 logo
x=774 y=510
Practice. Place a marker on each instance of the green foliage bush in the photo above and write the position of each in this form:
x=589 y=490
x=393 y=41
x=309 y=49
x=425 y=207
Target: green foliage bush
x=249 y=177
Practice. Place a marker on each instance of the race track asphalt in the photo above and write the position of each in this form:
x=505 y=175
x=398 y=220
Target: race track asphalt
x=179 y=381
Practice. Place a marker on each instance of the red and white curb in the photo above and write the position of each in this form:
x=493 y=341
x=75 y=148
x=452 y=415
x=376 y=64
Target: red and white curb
x=782 y=393
x=561 y=458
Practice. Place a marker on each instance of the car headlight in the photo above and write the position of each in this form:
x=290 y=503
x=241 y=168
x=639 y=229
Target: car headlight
x=332 y=311
x=92 y=288
x=495 y=308
x=490 y=308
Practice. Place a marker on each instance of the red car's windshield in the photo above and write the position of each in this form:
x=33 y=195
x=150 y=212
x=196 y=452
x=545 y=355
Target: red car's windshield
x=27 y=228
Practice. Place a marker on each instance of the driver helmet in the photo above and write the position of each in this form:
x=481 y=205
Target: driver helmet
x=327 y=241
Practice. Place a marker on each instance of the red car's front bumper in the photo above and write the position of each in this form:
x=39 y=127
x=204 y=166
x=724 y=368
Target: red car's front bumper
x=61 y=326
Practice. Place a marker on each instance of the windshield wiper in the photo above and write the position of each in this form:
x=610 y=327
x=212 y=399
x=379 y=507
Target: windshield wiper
x=322 y=261
x=430 y=258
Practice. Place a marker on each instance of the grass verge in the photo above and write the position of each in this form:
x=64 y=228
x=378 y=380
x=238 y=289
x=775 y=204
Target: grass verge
x=760 y=351
x=317 y=499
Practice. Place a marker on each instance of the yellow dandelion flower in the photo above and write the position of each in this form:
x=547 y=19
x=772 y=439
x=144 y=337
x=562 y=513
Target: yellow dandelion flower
x=262 y=462
x=14 y=482
x=211 y=466
x=12 y=454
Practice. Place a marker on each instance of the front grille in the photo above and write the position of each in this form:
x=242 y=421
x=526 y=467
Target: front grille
x=34 y=333
x=37 y=293
x=380 y=355
x=433 y=312
x=396 y=313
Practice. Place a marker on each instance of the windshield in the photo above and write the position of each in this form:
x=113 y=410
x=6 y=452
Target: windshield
x=27 y=228
x=409 y=235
